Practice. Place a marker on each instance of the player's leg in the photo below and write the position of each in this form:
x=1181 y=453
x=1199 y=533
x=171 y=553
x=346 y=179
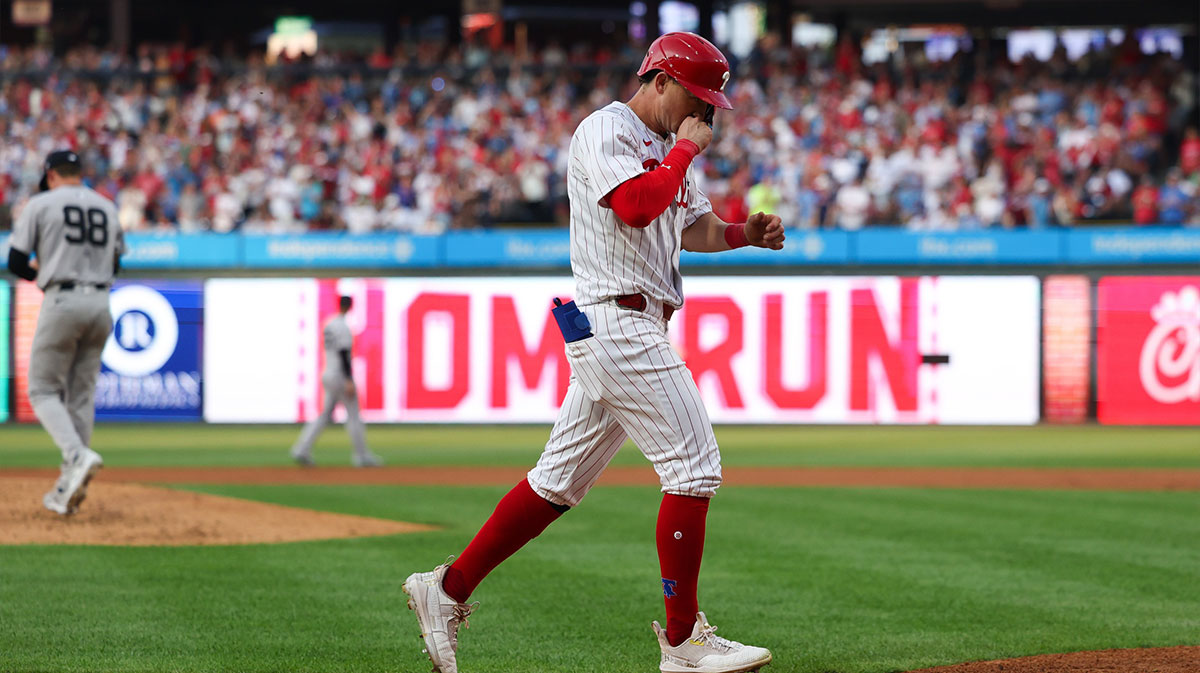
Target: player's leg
x=53 y=353
x=81 y=379
x=584 y=439
x=358 y=434
x=61 y=325
x=649 y=390
x=80 y=399
x=582 y=442
x=302 y=450
x=639 y=377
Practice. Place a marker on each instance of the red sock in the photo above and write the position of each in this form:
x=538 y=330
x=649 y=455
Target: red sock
x=680 y=538
x=519 y=517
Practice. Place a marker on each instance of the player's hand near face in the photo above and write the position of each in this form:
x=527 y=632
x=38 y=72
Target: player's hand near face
x=694 y=129
x=765 y=231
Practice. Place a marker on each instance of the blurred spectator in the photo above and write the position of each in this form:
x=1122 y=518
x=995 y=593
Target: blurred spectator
x=853 y=205
x=402 y=141
x=1173 y=200
x=1039 y=205
x=1145 y=202
x=191 y=211
x=1189 y=152
x=1066 y=206
x=764 y=197
x=989 y=190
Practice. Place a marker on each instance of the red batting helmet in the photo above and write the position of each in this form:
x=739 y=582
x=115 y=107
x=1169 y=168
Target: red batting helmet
x=694 y=62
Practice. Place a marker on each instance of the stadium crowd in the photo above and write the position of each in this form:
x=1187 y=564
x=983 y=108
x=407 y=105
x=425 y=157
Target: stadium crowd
x=432 y=137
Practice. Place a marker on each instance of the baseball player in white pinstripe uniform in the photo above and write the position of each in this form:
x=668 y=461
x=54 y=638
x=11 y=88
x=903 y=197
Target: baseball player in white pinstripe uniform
x=76 y=240
x=634 y=205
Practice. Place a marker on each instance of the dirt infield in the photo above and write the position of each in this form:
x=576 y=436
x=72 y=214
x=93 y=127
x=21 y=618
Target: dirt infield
x=848 y=477
x=122 y=510
x=1147 y=660
x=140 y=516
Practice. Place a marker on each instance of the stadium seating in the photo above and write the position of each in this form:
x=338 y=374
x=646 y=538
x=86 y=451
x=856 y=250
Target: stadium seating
x=432 y=138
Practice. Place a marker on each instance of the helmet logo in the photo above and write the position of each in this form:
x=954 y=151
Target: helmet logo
x=724 y=79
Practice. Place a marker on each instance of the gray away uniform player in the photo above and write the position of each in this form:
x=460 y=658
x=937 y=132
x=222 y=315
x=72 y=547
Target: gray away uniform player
x=338 y=382
x=76 y=240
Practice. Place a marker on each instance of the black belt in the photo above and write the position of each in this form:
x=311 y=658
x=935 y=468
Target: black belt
x=71 y=285
x=638 y=302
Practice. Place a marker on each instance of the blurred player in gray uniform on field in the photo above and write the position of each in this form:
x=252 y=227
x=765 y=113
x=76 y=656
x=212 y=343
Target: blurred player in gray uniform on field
x=76 y=241
x=338 y=381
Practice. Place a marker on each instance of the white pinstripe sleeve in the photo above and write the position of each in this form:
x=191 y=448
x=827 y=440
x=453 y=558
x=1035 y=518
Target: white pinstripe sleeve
x=612 y=153
x=697 y=208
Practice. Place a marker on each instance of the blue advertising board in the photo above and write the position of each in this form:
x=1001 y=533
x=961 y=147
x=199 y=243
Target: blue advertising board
x=983 y=247
x=173 y=251
x=802 y=247
x=551 y=248
x=320 y=249
x=511 y=249
x=1133 y=246
x=150 y=368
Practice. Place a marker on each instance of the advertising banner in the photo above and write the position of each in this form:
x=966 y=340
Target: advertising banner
x=173 y=251
x=27 y=302
x=1066 y=347
x=550 y=248
x=150 y=368
x=803 y=248
x=511 y=249
x=875 y=246
x=320 y=249
x=787 y=350
x=1148 y=350
x=1143 y=245
x=5 y=375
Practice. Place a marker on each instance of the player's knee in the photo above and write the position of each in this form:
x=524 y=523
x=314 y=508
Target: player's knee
x=559 y=499
x=42 y=393
x=701 y=485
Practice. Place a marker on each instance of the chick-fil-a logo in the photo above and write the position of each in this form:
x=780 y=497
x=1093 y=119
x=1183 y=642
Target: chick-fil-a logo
x=1170 y=360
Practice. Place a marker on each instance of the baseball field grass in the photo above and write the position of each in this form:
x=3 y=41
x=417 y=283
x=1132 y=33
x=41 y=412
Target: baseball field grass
x=852 y=580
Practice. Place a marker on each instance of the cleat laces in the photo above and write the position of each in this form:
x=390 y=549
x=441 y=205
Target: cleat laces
x=710 y=638
x=459 y=617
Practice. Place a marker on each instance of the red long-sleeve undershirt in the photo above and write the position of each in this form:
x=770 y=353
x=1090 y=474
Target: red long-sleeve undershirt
x=639 y=200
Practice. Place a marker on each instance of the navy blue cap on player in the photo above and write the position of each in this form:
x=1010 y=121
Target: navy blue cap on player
x=54 y=160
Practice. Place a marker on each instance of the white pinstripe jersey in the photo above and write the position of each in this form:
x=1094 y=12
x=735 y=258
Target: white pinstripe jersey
x=608 y=257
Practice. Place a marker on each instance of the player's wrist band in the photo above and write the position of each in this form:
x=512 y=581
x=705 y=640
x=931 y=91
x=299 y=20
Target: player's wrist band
x=735 y=236
x=688 y=146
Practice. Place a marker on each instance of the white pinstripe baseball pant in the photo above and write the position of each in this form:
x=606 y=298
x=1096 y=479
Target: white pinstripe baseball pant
x=628 y=381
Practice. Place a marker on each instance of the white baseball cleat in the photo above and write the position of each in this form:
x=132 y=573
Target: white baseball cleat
x=55 y=499
x=706 y=652
x=438 y=615
x=71 y=488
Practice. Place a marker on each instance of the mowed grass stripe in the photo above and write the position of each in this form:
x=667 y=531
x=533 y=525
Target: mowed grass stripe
x=226 y=445
x=847 y=580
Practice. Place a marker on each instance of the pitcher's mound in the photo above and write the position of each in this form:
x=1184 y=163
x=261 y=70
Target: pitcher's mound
x=1146 y=660
x=137 y=515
